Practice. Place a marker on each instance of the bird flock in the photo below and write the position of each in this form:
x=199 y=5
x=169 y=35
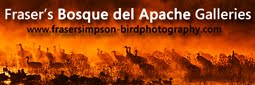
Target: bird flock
x=133 y=67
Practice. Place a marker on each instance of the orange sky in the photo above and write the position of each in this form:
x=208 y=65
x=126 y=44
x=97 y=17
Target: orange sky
x=237 y=35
